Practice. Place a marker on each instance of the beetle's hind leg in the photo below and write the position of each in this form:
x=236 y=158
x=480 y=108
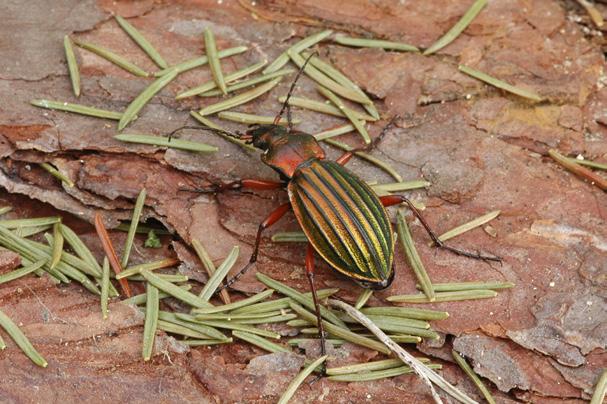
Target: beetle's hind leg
x=390 y=200
x=270 y=220
x=310 y=274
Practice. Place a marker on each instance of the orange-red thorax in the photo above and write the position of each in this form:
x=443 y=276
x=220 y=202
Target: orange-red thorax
x=285 y=151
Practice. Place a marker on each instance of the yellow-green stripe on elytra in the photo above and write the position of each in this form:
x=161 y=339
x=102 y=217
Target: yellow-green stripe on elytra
x=343 y=219
x=362 y=206
x=356 y=226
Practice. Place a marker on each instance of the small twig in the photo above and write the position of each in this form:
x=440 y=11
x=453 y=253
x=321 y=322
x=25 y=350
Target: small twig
x=427 y=375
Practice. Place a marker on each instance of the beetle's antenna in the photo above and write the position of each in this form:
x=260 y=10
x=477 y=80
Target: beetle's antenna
x=236 y=135
x=285 y=105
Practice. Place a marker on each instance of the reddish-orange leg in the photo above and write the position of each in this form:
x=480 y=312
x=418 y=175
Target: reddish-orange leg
x=390 y=200
x=270 y=220
x=310 y=273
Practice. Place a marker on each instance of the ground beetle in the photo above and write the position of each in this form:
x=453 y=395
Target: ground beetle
x=344 y=220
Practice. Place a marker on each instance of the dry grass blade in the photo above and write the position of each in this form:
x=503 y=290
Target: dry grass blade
x=364 y=296
x=251 y=119
x=113 y=58
x=322 y=107
x=475 y=379
x=110 y=252
x=208 y=86
x=173 y=143
x=142 y=42
x=72 y=65
x=300 y=46
x=236 y=305
x=500 y=83
x=130 y=237
x=200 y=61
x=229 y=325
x=211 y=48
x=340 y=130
x=57 y=174
x=588 y=163
x=208 y=265
x=219 y=275
x=105 y=287
x=206 y=342
x=358 y=124
x=455 y=286
x=599 y=390
x=400 y=186
x=5 y=209
x=366 y=156
x=189 y=322
x=374 y=43
x=444 y=296
x=300 y=298
x=140 y=299
x=18 y=273
x=336 y=75
x=208 y=123
x=289 y=237
x=77 y=109
x=299 y=379
x=280 y=304
x=260 y=342
x=327 y=82
x=406 y=312
x=479 y=221
x=148 y=266
x=404 y=234
x=57 y=246
x=458 y=28
x=338 y=331
x=578 y=170
x=139 y=102
x=175 y=291
x=379 y=374
x=368 y=366
x=240 y=98
x=21 y=340
x=151 y=321
x=427 y=375
x=249 y=82
x=39 y=221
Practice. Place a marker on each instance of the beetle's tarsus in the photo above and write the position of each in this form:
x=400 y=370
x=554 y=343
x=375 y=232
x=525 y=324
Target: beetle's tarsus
x=474 y=255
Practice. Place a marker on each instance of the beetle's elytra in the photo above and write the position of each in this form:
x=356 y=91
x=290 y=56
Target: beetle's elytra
x=340 y=214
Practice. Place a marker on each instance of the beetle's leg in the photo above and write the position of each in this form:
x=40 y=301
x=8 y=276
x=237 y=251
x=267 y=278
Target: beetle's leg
x=246 y=183
x=270 y=220
x=321 y=331
x=389 y=200
x=344 y=158
x=310 y=273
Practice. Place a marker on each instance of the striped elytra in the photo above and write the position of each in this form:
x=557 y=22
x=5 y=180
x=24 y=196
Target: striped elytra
x=344 y=221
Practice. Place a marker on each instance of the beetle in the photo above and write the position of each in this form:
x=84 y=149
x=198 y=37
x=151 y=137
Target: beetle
x=345 y=221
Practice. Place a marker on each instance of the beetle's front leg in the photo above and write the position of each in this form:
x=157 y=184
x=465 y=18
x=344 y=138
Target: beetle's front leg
x=389 y=200
x=270 y=220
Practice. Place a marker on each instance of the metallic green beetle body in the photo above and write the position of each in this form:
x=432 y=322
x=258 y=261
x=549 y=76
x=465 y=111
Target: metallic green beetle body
x=342 y=217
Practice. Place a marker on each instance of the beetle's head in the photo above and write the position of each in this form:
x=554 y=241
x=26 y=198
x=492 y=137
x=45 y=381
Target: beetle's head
x=264 y=136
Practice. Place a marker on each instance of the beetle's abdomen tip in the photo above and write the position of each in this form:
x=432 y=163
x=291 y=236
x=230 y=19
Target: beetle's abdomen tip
x=380 y=285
